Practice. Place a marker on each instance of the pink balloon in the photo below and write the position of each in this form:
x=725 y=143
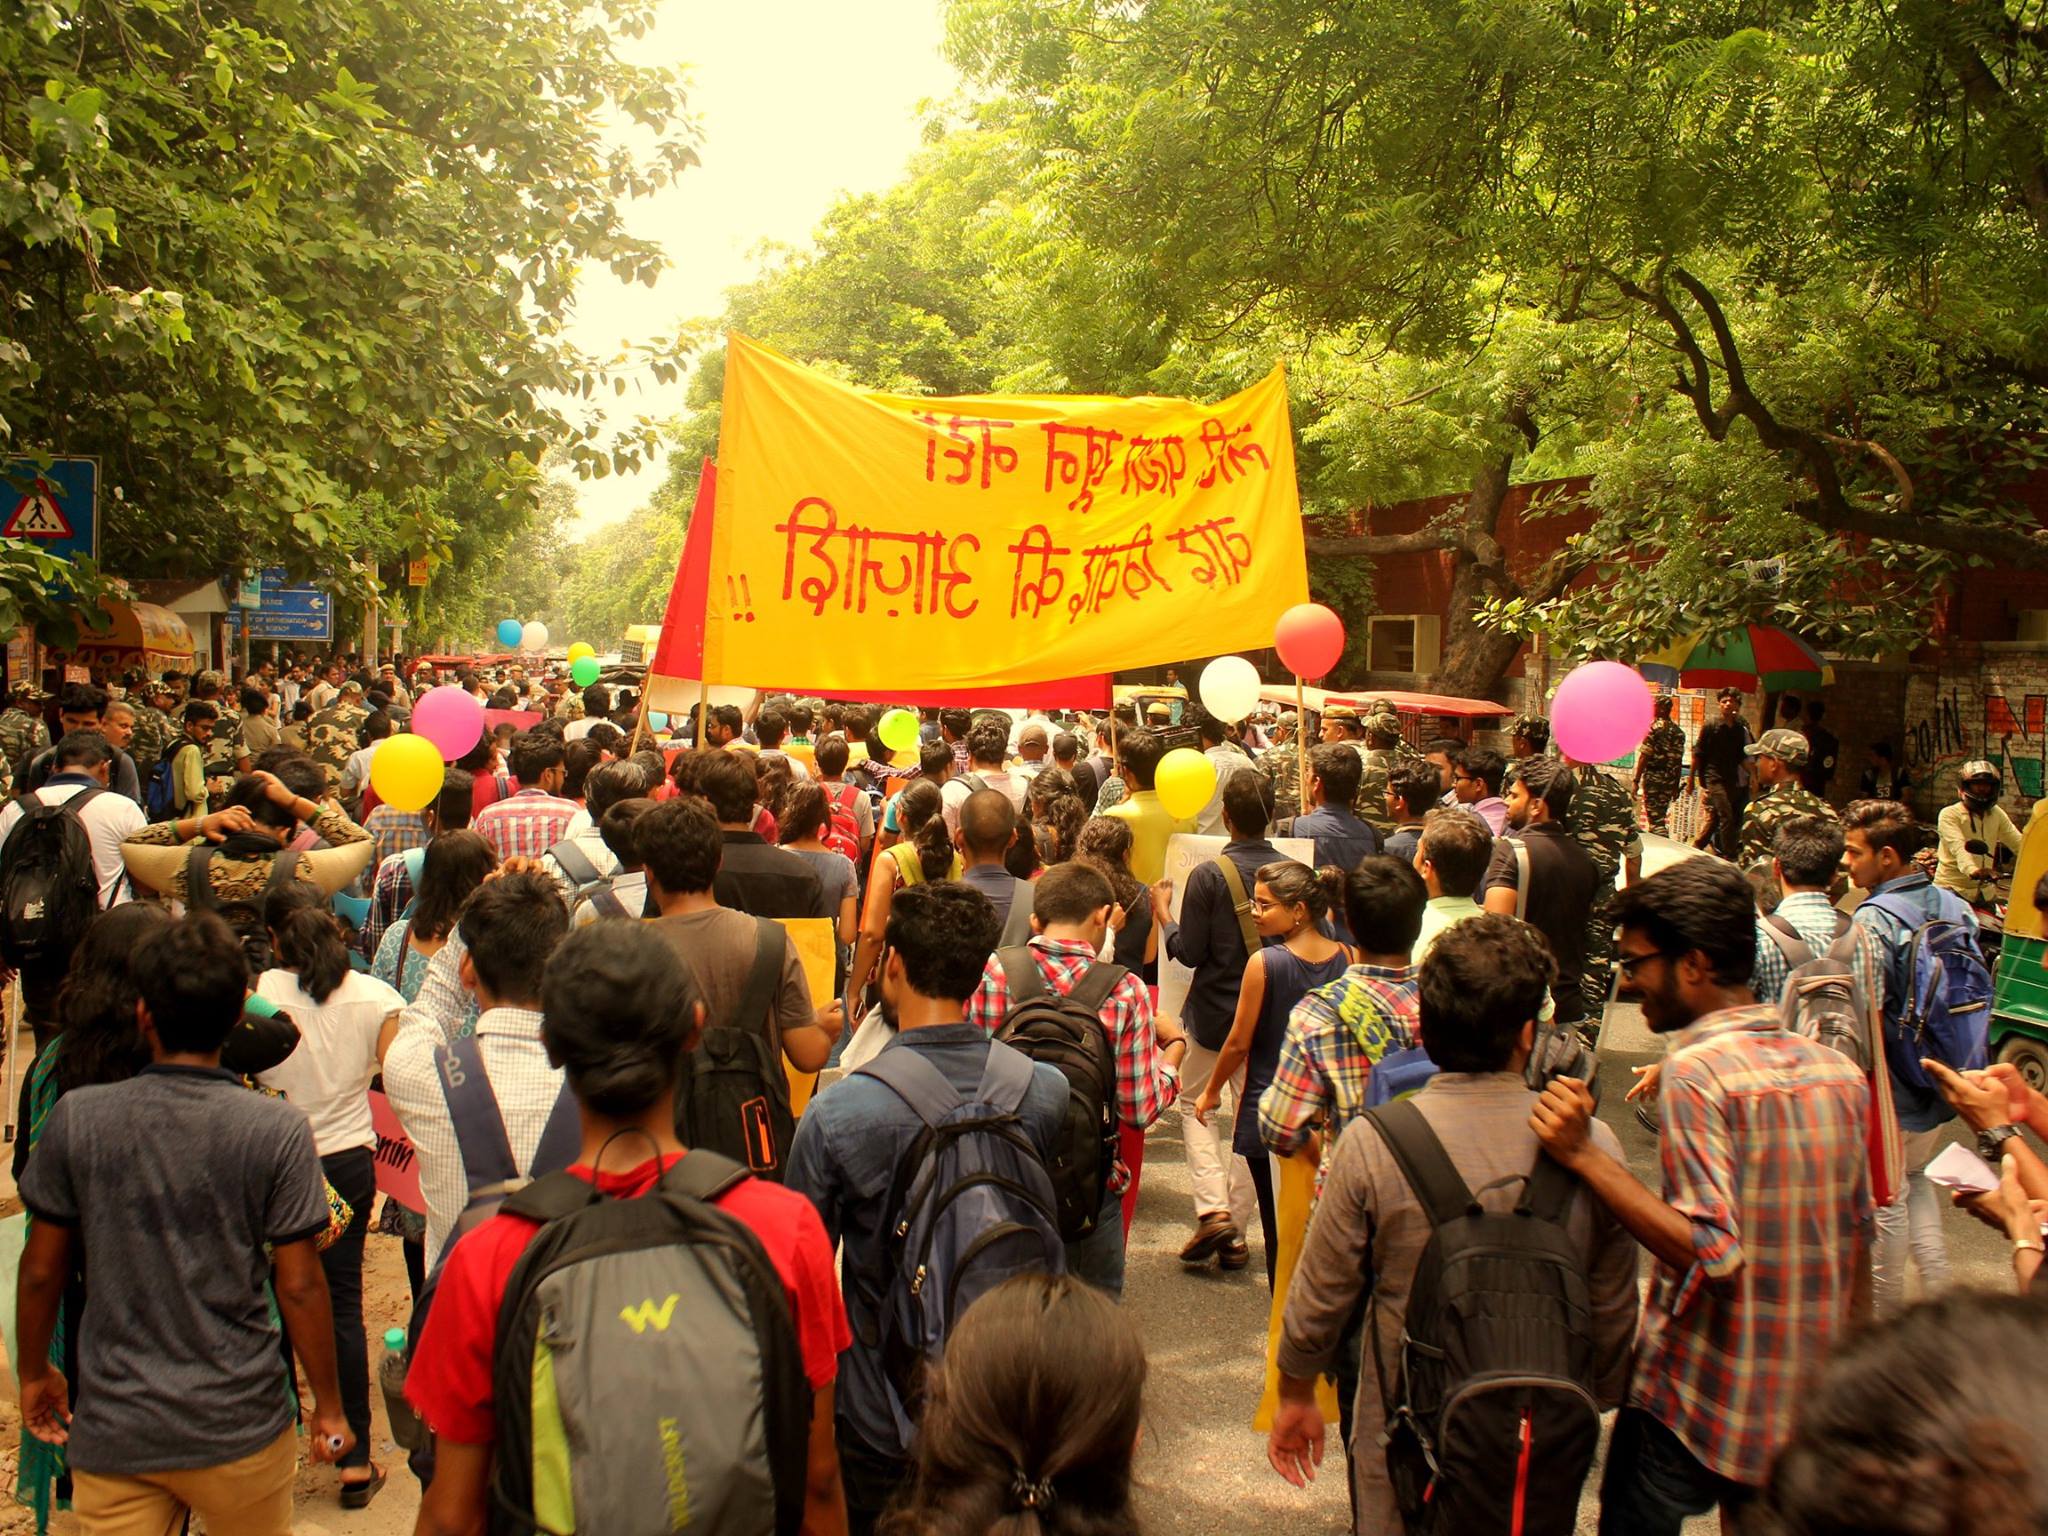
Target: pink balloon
x=1310 y=639
x=451 y=718
x=1600 y=712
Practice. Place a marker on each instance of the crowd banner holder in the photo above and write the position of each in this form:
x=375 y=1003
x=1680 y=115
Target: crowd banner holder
x=640 y=718
x=1300 y=746
x=703 y=712
x=17 y=1009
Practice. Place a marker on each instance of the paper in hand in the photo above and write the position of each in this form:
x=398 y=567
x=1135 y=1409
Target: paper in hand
x=1957 y=1167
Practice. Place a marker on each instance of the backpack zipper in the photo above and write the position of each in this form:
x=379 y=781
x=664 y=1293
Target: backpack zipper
x=1522 y=1474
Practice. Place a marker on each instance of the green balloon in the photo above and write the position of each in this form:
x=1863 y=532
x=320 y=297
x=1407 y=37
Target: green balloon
x=898 y=730
x=585 y=671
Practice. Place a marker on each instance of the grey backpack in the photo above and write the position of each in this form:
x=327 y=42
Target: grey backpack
x=1821 y=999
x=648 y=1374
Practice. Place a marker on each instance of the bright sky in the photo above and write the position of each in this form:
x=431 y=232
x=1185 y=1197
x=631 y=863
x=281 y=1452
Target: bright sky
x=798 y=101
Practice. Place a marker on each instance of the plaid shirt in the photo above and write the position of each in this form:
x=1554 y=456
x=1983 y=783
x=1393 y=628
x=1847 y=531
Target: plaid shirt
x=1763 y=1151
x=1814 y=916
x=390 y=894
x=527 y=825
x=394 y=831
x=1143 y=1089
x=1334 y=1035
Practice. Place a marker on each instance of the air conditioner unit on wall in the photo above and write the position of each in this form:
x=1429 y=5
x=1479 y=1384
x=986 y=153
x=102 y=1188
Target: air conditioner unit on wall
x=2032 y=628
x=1405 y=642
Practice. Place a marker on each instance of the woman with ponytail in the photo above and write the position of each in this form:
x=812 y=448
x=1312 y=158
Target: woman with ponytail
x=1289 y=903
x=923 y=853
x=1031 y=1423
x=345 y=1018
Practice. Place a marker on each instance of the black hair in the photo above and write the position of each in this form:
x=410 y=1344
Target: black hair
x=617 y=1014
x=988 y=744
x=1695 y=904
x=1416 y=784
x=988 y=822
x=769 y=728
x=1142 y=750
x=199 y=709
x=619 y=829
x=308 y=937
x=802 y=812
x=578 y=759
x=920 y=817
x=1884 y=824
x=1069 y=893
x=1065 y=744
x=99 y=1040
x=609 y=783
x=1730 y=692
x=1383 y=902
x=728 y=781
x=1483 y=979
x=1295 y=884
x=1553 y=781
x=799 y=714
x=1459 y=845
x=376 y=726
x=1882 y=749
x=597 y=701
x=510 y=927
x=1248 y=802
x=533 y=754
x=193 y=979
x=454 y=805
x=254 y=700
x=478 y=757
x=1208 y=728
x=1789 y=707
x=831 y=754
x=956 y=722
x=1340 y=769
x=1483 y=764
x=680 y=845
x=80 y=749
x=453 y=866
x=727 y=716
x=935 y=759
x=944 y=932
x=1809 y=850
x=82 y=699
x=251 y=794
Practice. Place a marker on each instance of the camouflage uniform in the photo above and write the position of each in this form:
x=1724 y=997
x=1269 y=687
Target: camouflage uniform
x=332 y=737
x=1770 y=811
x=153 y=732
x=1282 y=766
x=1404 y=750
x=1603 y=819
x=22 y=736
x=1374 y=785
x=1660 y=769
x=224 y=747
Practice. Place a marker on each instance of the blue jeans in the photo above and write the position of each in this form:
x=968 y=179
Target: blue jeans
x=1098 y=1258
x=1653 y=1483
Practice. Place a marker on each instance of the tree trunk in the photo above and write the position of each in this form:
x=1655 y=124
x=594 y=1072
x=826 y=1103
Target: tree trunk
x=1476 y=658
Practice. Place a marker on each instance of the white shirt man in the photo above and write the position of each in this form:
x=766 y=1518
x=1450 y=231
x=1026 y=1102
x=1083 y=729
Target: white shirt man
x=108 y=819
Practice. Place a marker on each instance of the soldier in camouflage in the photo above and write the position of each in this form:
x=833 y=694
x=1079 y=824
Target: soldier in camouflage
x=224 y=750
x=1777 y=761
x=22 y=732
x=1404 y=749
x=334 y=734
x=1381 y=754
x=1281 y=763
x=153 y=727
x=1603 y=819
x=1530 y=737
x=1660 y=765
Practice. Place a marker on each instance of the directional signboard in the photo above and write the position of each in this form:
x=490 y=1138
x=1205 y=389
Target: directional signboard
x=54 y=506
x=286 y=613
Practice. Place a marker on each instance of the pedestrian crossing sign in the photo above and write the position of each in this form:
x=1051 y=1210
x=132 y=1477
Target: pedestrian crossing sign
x=37 y=516
x=53 y=502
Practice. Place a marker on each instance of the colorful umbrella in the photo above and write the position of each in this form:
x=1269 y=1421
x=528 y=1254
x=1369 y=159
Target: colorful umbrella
x=1750 y=656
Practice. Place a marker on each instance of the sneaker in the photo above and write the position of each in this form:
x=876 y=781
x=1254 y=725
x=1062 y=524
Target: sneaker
x=1233 y=1254
x=1211 y=1233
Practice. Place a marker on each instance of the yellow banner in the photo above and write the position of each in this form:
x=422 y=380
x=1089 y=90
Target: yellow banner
x=868 y=543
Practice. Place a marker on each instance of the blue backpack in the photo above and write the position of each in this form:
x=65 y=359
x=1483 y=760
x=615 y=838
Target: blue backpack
x=1946 y=1013
x=160 y=794
x=1397 y=1074
x=970 y=1206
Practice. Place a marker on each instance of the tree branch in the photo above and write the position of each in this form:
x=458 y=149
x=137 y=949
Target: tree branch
x=1422 y=541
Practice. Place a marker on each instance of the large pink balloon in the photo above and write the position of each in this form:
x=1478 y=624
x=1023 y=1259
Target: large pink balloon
x=1310 y=639
x=451 y=718
x=1600 y=712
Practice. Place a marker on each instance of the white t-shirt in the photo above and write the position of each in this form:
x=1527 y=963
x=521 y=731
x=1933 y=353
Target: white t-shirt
x=108 y=820
x=576 y=730
x=328 y=1077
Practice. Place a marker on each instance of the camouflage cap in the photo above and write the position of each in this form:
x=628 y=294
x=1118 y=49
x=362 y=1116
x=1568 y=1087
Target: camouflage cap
x=1977 y=768
x=1788 y=747
x=25 y=689
x=350 y=685
x=1289 y=718
x=1343 y=712
x=1383 y=723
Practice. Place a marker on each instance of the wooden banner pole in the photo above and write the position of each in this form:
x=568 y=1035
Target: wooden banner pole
x=703 y=713
x=640 y=716
x=1301 y=746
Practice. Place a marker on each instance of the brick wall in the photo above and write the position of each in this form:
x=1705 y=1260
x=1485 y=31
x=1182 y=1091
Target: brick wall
x=1988 y=702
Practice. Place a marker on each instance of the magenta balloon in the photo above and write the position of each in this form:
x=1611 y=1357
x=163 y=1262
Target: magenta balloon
x=451 y=718
x=1310 y=640
x=1600 y=712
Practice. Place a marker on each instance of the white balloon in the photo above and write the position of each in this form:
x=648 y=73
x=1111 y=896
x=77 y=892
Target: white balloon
x=1230 y=687
x=534 y=637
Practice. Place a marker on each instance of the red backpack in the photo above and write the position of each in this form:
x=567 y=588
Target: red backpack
x=843 y=836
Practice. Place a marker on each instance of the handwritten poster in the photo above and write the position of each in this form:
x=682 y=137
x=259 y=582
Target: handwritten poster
x=397 y=1164
x=870 y=542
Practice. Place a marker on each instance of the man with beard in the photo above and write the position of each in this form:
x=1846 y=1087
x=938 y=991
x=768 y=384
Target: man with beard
x=1542 y=874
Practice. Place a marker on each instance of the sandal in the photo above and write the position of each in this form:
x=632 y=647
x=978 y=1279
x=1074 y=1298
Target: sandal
x=357 y=1495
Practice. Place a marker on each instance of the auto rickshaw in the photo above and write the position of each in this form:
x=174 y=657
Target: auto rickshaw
x=2019 y=998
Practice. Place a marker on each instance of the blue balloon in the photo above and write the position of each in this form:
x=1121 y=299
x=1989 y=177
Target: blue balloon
x=657 y=719
x=509 y=631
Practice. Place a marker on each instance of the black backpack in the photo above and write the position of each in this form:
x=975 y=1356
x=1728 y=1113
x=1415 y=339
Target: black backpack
x=49 y=890
x=1068 y=1033
x=648 y=1375
x=732 y=1096
x=244 y=915
x=1491 y=1421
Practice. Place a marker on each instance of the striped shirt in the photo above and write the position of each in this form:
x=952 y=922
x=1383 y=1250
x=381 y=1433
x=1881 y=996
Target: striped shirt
x=1763 y=1152
x=1813 y=915
x=1334 y=1036
x=1143 y=1092
x=527 y=825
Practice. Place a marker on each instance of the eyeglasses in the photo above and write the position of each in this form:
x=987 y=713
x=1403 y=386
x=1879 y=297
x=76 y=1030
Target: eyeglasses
x=1627 y=964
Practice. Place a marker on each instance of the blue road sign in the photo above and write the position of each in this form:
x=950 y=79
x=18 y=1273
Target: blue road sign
x=287 y=613
x=54 y=507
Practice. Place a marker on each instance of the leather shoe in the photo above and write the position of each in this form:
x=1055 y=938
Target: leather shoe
x=1211 y=1233
x=1233 y=1254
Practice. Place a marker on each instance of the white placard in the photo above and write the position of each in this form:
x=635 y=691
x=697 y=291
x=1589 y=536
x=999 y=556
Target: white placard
x=1184 y=852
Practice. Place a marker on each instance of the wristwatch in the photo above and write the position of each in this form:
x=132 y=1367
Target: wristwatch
x=1991 y=1142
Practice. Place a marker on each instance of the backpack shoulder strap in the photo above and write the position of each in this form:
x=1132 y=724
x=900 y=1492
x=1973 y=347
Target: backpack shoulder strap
x=1786 y=937
x=79 y=801
x=1843 y=922
x=560 y=1139
x=1006 y=1078
x=1428 y=1168
x=1521 y=878
x=1017 y=924
x=473 y=1113
x=757 y=1002
x=1548 y=1190
x=284 y=869
x=1240 y=903
x=575 y=862
x=1093 y=989
x=1021 y=975
x=551 y=1197
x=919 y=1084
x=702 y=1175
x=198 y=885
x=606 y=901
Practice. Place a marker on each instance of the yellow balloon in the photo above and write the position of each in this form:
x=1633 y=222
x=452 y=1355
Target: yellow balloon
x=1185 y=782
x=406 y=772
x=579 y=650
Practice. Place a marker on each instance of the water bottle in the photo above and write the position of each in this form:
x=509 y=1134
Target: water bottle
x=406 y=1427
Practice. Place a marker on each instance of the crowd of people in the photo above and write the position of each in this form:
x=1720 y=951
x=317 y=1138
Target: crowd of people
x=575 y=979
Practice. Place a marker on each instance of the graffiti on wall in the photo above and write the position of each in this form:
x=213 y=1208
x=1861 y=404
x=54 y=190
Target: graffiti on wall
x=2019 y=727
x=1951 y=721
